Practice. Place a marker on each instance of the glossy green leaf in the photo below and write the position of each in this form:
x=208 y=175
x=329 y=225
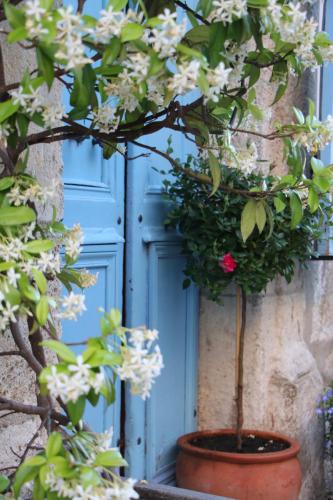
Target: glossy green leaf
x=7 y=109
x=42 y=310
x=261 y=216
x=4 y=483
x=215 y=171
x=38 y=246
x=131 y=31
x=40 y=280
x=54 y=444
x=248 y=219
x=111 y=458
x=296 y=210
x=61 y=350
x=76 y=410
x=14 y=216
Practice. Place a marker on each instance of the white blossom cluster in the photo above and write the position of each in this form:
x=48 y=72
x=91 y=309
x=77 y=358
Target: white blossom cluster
x=141 y=365
x=226 y=11
x=293 y=26
x=7 y=312
x=318 y=137
x=244 y=159
x=69 y=37
x=72 y=305
x=72 y=241
x=33 y=102
x=105 y=118
x=73 y=488
x=78 y=382
x=110 y=23
x=165 y=37
x=35 y=14
x=35 y=192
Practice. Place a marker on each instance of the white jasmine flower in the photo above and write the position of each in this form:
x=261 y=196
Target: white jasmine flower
x=31 y=101
x=81 y=368
x=49 y=262
x=109 y=24
x=226 y=11
x=105 y=119
x=138 y=65
x=140 y=366
x=73 y=240
x=165 y=37
x=52 y=114
x=69 y=37
x=186 y=78
x=73 y=305
x=217 y=78
x=12 y=277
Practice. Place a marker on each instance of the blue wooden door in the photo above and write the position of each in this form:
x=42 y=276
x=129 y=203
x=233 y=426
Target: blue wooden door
x=155 y=297
x=326 y=247
x=121 y=211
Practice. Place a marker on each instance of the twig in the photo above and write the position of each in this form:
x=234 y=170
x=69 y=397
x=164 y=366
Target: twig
x=184 y=6
x=7 y=414
x=241 y=297
x=33 y=439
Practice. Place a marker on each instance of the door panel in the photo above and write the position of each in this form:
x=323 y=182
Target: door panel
x=106 y=261
x=155 y=297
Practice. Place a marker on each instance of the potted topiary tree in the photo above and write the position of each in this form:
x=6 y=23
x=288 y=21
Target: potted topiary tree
x=227 y=240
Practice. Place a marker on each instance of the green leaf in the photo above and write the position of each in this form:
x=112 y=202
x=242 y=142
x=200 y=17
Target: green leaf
x=54 y=444
x=4 y=266
x=7 y=109
x=17 y=35
x=111 y=458
x=15 y=17
x=40 y=280
x=261 y=216
x=6 y=183
x=42 y=310
x=131 y=31
x=296 y=210
x=248 y=219
x=38 y=246
x=45 y=66
x=4 y=483
x=14 y=216
x=279 y=204
x=299 y=115
x=117 y=4
x=313 y=200
x=61 y=350
x=76 y=410
x=215 y=171
x=36 y=460
x=115 y=318
x=23 y=475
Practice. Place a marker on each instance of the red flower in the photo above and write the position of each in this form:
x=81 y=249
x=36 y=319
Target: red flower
x=227 y=263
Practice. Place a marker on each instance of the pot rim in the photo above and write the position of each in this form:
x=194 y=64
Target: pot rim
x=240 y=458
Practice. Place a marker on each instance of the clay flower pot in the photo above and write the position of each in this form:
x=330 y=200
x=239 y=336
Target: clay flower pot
x=241 y=476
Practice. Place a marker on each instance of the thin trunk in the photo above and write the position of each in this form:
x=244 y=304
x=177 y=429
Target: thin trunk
x=241 y=321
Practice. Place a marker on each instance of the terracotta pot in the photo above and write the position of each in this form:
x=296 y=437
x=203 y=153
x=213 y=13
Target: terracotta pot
x=247 y=476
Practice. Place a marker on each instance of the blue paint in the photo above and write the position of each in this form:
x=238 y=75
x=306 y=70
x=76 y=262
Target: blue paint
x=155 y=297
x=326 y=247
x=94 y=196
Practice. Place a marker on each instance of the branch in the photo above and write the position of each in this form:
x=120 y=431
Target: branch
x=28 y=355
x=8 y=404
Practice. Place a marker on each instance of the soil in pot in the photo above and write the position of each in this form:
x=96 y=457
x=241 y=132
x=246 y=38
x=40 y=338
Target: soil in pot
x=251 y=444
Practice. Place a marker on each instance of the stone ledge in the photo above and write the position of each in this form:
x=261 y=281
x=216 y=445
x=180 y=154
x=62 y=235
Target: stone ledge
x=149 y=491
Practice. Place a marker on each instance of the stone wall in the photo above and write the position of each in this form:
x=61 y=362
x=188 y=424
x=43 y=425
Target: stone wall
x=16 y=381
x=289 y=340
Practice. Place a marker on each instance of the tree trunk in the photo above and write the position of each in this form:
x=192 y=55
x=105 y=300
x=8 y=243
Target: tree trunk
x=241 y=322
